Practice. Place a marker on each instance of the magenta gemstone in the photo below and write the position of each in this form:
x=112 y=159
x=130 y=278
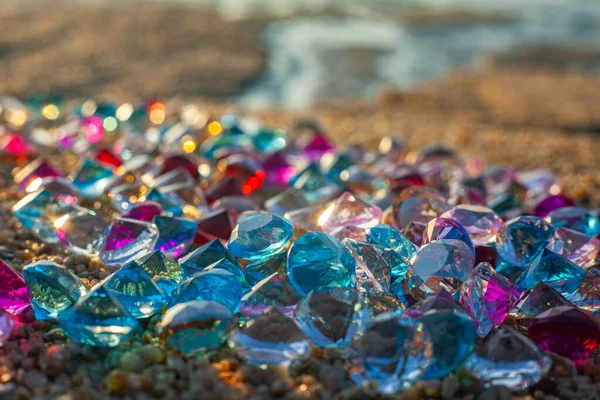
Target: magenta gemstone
x=551 y=203
x=15 y=145
x=567 y=331
x=145 y=211
x=37 y=169
x=13 y=290
x=278 y=171
x=317 y=147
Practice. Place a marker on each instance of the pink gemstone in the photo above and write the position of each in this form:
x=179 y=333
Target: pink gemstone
x=567 y=331
x=35 y=170
x=277 y=169
x=13 y=144
x=551 y=203
x=93 y=129
x=482 y=223
x=13 y=290
x=317 y=147
x=145 y=211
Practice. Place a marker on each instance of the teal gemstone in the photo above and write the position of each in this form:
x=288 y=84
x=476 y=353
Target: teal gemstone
x=195 y=326
x=507 y=205
x=136 y=291
x=259 y=235
x=232 y=267
x=98 y=319
x=52 y=288
x=311 y=169
x=334 y=167
x=227 y=140
x=166 y=272
x=522 y=239
x=317 y=261
x=388 y=237
x=216 y=284
x=273 y=291
x=171 y=204
x=35 y=212
x=575 y=218
x=92 y=179
x=269 y=141
x=317 y=188
x=556 y=271
x=175 y=235
x=259 y=270
x=204 y=256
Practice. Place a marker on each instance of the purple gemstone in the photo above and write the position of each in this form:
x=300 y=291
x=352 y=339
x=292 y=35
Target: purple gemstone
x=13 y=290
x=317 y=147
x=37 y=169
x=145 y=211
x=277 y=169
x=446 y=228
x=551 y=203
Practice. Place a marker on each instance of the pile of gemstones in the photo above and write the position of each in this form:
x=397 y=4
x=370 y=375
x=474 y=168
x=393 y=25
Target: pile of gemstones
x=224 y=233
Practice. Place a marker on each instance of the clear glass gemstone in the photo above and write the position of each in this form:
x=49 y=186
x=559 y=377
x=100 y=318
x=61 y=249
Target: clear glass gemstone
x=418 y=204
x=576 y=247
x=373 y=272
x=81 y=230
x=127 y=239
x=7 y=325
x=482 y=223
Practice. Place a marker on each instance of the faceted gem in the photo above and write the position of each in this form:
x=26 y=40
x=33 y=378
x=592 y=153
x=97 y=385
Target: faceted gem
x=7 y=325
x=317 y=188
x=235 y=206
x=175 y=235
x=258 y=235
x=269 y=141
x=453 y=336
x=507 y=205
x=351 y=232
x=576 y=247
x=566 y=331
x=393 y=353
x=288 y=200
x=317 y=261
x=278 y=171
x=388 y=237
x=216 y=284
x=35 y=170
x=418 y=204
x=194 y=326
x=333 y=165
x=171 y=204
x=60 y=189
x=163 y=270
x=13 y=290
x=365 y=185
x=509 y=359
x=575 y=218
x=92 y=178
x=551 y=203
x=145 y=211
x=36 y=212
x=446 y=228
x=556 y=271
x=444 y=264
x=52 y=288
x=317 y=147
x=387 y=303
x=81 y=230
x=204 y=256
x=259 y=270
x=487 y=296
x=135 y=289
x=12 y=144
x=228 y=186
x=183 y=161
x=522 y=239
x=98 y=319
x=127 y=239
x=232 y=267
x=276 y=291
x=217 y=224
x=272 y=338
x=482 y=223
x=535 y=301
x=441 y=300
x=332 y=318
x=373 y=273
x=347 y=210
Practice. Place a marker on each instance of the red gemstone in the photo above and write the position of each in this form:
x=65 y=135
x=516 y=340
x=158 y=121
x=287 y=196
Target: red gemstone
x=567 y=331
x=107 y=157
x=399 y=182
x=224 y=187
x=180 y=161
x=486 y=254
x=217 y=224
x=551 y=203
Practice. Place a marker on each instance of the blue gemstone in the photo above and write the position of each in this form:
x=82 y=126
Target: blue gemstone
x=335 y=166
x=232 y=267
x=575 y=218
x=204 y=256
x=166 y=272
x=311 y=169
x=195 y=326
x=259 y=270
x=92 y=179
x=556 y=271
x=334 y=317
x=522 y=239
x=51 y=288
x=175 y=235
x=446 y=228
x=216 y=284
x=136 y=291
x=171 y=204
x=98 y=319
x=388 y=237
x=259 y=235
x=269 y=141
x=317 y=261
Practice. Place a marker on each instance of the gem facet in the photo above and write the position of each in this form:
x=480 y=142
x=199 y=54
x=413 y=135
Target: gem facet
x=259 y=235
x=13 y=290
x=522 y=239
x=446 y=228
x=175 y=235
x=127 y=239
x=81 y=230
x=166 y=272
x=204 y=256
x=556 y=271
x=388 y=237
x=347 y=210
x=575 y=218
x=535 y=301
x=92 y=178
x=7 y=324
x=482 y=223
x=576 y=247
x=373 y=272
x=216 y=284
x=418 y=204
x=275 y=290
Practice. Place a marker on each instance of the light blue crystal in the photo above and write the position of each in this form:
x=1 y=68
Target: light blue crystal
x=575 y=218
x=269 y=141
x=175 y=235
x=136 y=291
x=317 y=261
x=52 y=288
x=166 y=272
x=259 y=235
x=92 y=179
x=522 y=239
x=388 y=237
x=334 y=166
x=204 y=256
x=232 y=267
x=98 y=319
x=195 y=325
x=334 y=317
x=556 y=271
x=36 y=212
x=171 y=204
x=259 y=270
x=216 y=284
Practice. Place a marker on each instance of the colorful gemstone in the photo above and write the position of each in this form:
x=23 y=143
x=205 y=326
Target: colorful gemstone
x=126 y=240
x=216 y=284
x=235 y=206
x=81 y=230
x=446 y=228
x=92 y=178
x=269 y=140
x=388 y=237
x=551 y=203
x=273 y=291
x=288 y=200
x=166 y=272
x=145 y=211
x=556 y=271
x=576 y=247
x=175 y=235
x=278 y=171
x=576 y=218
x=482 y=223
x=373 y=272
x=204 y=256
x=317 y=261
x=36 y=212
x=347 y=210
x=37 y=170
x=418 y=204
x=522 y=239
x=535 y=301
x=318 y=146
x=259 y=235
x=13 y=290
x=7 y=325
